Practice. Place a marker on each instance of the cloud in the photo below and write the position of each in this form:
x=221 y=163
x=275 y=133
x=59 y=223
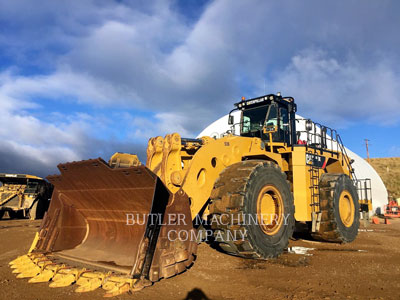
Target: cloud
x=127 y=71
x=154 y=59
x=341 y=92
x=79 y=87
x=34 y=145
x=30 y=145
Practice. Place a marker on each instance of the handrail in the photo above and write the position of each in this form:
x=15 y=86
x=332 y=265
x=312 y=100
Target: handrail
x=324 y=138
x=364 y=189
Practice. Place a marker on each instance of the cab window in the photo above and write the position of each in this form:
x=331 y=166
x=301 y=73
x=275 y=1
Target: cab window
x=31 y=187
x=272 y=119
x=253 y=119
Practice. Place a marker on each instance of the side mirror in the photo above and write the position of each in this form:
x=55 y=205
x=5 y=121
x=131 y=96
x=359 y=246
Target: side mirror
x=231 y=120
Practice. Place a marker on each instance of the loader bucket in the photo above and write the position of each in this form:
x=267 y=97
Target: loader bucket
x=99 y=219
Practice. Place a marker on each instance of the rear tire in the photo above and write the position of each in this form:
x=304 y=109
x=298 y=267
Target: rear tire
x=1 y=214
x=33 y=211
x=19 y=214
x=246 y=190
x=339 y=205
x=38 y=209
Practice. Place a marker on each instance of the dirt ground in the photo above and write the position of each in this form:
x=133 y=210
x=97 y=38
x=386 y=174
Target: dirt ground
x=368 y=268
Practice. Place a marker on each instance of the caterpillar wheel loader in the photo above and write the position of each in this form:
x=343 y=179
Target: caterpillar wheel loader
x=122 y=225
x=24 y=196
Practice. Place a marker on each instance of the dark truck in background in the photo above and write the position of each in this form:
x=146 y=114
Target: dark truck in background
x=24 y=196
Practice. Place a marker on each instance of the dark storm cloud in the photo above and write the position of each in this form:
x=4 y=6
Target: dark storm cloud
x=19 y=163
x=16 y=160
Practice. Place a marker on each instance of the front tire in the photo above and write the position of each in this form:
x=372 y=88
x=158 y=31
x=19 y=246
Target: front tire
x=255 y=199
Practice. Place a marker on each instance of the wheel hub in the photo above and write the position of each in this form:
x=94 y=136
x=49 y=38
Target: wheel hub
x=270 y=210
x=346 y=208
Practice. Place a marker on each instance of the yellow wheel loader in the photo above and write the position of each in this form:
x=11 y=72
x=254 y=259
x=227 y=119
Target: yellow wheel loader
x=24 y=196
x=123 y=226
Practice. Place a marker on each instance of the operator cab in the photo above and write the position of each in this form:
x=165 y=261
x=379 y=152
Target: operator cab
x=31 y=187
x=269 y=114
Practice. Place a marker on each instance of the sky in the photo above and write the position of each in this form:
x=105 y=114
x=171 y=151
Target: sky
x=82 y=79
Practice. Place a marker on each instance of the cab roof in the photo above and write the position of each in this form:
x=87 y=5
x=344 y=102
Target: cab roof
x=262 y=100
x=18 y=178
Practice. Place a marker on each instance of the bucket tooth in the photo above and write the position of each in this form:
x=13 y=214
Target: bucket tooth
x=119 y=289
x=19 y=260
x=65 y=280
x=91 y=285
x=89 y=275
x=15 y=266
x=65 y=277
x=111 y=281
x=30 y=272
x=47 y=273
x=23 y=268
x=31 y=268
x=90 y=281
x=25 y=261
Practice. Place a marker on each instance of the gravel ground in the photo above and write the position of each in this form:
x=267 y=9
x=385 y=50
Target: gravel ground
x=368 y=268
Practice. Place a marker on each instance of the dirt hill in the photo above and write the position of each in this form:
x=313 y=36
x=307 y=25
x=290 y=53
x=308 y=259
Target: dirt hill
x=389 y=170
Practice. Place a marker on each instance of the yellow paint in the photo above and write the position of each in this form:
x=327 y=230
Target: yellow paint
x=29 y=271
x=119 y=289
x=89 y=281
x=155 y=154
x=301 y=184
x=19 y=259
x=195 y=168
x=46 y=274
x=171 y=162
x=270 y=209
x=42 y=269
x=115 y=285
x=346 y=208
x=124 y=160
x=367 y=202
x=211 y=159
x=34 y=243
x=66 y=277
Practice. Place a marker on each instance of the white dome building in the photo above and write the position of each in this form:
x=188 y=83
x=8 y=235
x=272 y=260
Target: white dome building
x=362 y=168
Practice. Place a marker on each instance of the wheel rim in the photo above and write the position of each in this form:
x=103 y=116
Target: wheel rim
x=346 y=208
x=270 y=210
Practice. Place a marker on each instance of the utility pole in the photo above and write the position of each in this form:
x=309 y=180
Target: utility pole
x=366 y=145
